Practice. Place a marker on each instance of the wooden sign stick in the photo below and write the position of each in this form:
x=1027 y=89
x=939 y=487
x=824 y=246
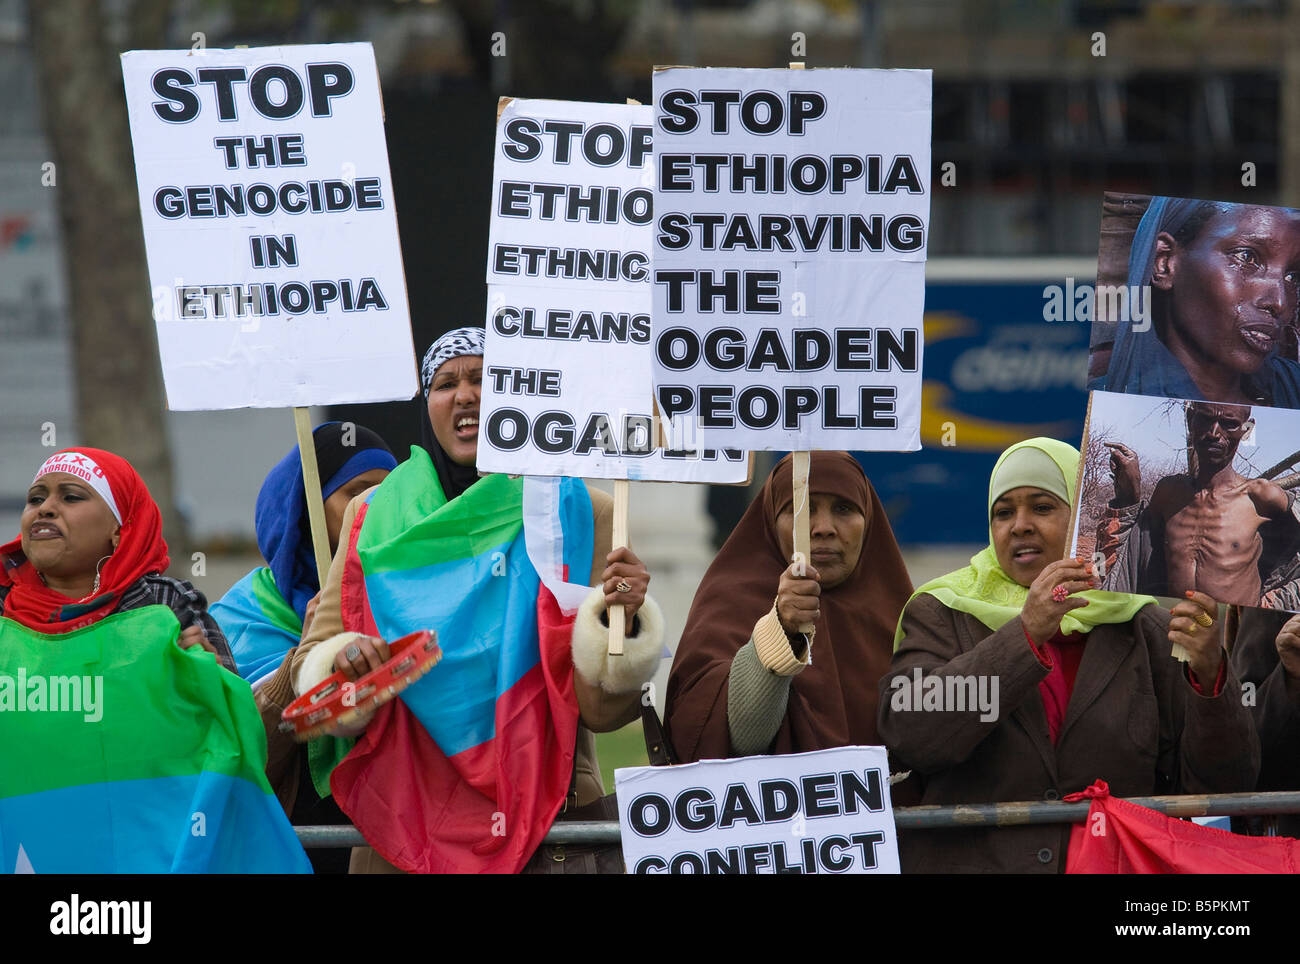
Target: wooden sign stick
x=801 y=460
x=311 y=483
x=617 y=614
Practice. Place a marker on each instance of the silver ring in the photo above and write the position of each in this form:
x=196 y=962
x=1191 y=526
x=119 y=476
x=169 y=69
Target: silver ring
x=623 y=586
x=352 y=652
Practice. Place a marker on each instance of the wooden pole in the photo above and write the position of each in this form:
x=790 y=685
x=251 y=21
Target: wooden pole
x=617 y=614
x=800 y=461
x=311 y=483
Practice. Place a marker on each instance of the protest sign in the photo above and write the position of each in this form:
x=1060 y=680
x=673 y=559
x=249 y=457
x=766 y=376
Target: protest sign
x=1196 y=300
x=270 y=226
x=805 y=813
x=791 y=215
x=1177 y=496
x=566 y=376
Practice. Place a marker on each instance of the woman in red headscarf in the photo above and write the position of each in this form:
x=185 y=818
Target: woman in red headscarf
x=90 y=545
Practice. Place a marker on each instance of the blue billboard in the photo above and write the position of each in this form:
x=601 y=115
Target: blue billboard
x=996 y=371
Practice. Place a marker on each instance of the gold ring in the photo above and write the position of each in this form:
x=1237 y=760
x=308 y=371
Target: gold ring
x=623 y=586
x=1205 y=619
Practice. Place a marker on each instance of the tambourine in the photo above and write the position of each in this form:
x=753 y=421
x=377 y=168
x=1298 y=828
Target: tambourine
x=338 y=701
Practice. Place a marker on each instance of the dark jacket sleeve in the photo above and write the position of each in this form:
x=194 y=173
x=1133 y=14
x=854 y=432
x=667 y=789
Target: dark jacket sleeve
x=282 y=765
x=1275 y=706
x=936 y=644
x=1218 y=751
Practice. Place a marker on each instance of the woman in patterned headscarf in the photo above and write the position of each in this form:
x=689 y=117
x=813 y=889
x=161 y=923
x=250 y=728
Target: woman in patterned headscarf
x=422 y=550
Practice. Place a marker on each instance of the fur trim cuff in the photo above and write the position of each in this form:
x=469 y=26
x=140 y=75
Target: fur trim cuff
x=641 y=653
x=318 y=665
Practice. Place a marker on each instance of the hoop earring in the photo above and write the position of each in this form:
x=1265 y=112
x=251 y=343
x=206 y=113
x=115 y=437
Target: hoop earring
x=95 y=587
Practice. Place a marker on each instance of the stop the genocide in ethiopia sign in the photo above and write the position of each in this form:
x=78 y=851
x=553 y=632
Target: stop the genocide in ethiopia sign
x=791 y=216
x=270 y=226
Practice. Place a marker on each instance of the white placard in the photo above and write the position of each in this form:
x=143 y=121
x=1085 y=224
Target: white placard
x=567 y=385
x=270 y=226
x=822 y=812
x=792 y=213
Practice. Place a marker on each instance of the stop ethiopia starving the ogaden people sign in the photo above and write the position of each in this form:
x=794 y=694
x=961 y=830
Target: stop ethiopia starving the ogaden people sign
x=791 y=216
x=270 y=226
x=567 y=388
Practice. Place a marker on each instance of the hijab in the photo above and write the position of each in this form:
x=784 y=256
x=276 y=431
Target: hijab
x=832 y=701
x=140 y=549
x=454 y=477
x=283 y=529
x=984 y=590
x=1140 y=363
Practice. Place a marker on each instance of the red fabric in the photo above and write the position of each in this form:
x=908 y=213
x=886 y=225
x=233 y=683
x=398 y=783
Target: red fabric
x=1218 y=680
x=1120 y=837
x=140 y=551
x=1064 y=653
x=487 y=809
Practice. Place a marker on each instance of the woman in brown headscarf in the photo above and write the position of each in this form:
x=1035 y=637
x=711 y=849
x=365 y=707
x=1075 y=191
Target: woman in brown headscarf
x=745 y=679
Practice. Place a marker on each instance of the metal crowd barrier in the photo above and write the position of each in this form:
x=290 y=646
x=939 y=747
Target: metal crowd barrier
x=930 y=818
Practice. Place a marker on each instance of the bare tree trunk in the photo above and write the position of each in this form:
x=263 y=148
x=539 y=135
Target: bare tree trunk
x=118 y=386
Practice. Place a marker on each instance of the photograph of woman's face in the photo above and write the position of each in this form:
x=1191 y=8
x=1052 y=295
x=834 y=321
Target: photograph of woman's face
x=1230 y=289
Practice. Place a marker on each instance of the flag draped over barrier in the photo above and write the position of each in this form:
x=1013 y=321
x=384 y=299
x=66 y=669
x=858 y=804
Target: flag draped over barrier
x=468 y=768
x=124 y=753
x=1120 y=837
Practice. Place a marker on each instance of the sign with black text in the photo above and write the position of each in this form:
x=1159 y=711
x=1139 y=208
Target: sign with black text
x=791 y=215
x=801 y=813
x=567 y=387
x=270 y=226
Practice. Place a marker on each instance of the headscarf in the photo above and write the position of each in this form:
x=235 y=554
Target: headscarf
x=283 y=532
x=455 y=478
x=140 y=549
x=1140 y=364
x=833 y=701
x=986 y=592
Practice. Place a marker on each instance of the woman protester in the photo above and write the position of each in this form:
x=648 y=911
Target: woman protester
x=91 y=545
x=263 y=615
x=467 y=770
x=745 y=679
x=1082 y=685
x=172 y=781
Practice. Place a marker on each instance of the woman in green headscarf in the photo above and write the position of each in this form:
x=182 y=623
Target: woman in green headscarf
x=1014 y=679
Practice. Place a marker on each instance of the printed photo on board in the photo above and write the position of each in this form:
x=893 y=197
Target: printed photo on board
x=1180 y=496
x=1197 y=300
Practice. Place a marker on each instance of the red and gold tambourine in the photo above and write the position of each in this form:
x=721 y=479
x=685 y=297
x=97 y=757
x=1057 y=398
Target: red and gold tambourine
x=338 y=701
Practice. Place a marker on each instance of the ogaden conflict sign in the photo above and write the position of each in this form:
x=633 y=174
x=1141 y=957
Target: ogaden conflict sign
x=791 y=216
x=270 y=226
x=801 y=813
x=567 y=387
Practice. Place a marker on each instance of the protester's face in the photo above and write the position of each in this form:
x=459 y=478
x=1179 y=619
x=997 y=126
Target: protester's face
x=453 y=407
x=1232 y=288
x=1215 y=431
x=1029 y=528
x=836 y=528
x=338 y=501
x=66 y=527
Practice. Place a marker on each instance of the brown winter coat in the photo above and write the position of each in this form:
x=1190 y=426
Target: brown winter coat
x=1134 y=720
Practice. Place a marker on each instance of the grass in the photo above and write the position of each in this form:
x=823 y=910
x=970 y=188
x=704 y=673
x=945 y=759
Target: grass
x=621 y=748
